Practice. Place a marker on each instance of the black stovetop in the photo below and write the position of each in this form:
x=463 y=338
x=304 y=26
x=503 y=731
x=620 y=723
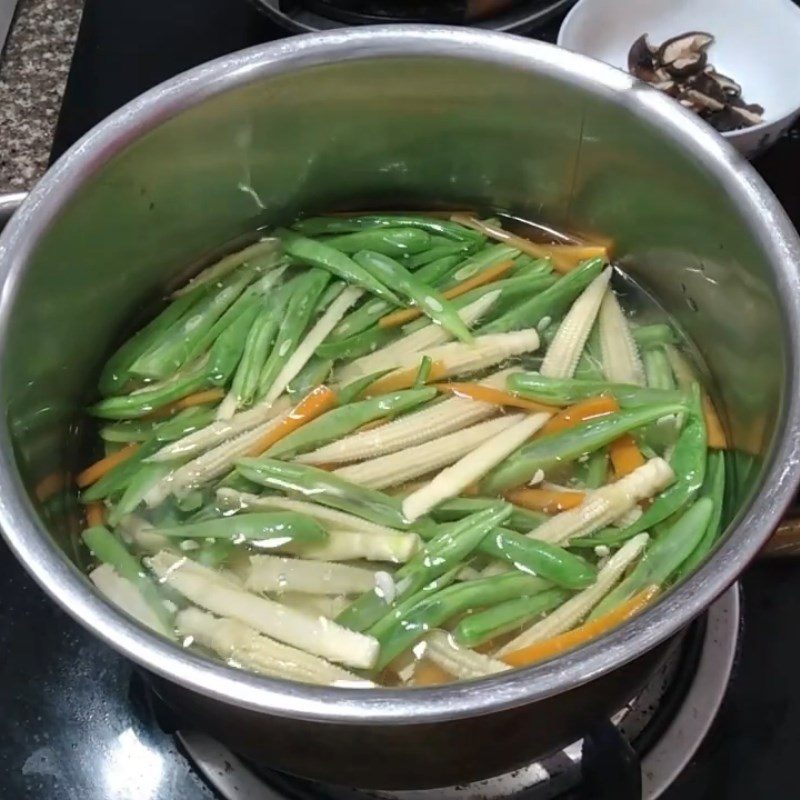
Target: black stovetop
x=71 y=725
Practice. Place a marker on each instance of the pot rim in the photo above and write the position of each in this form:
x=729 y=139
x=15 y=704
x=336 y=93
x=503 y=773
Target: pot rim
x=769 y=224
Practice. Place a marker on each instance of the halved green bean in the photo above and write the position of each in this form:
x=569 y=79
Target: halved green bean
x=713 y=489
x=257 y=346
x=657 y=368
x=429 y=301
x=480 y=627
x=551 y=302
x=317 y=226
x=444 y=552
x=341 y=421
x=183 y=423
x=137 y=487
x=649 y=335
x=357 y=345
x=107 y=548
x=353 y=390
x=316 y=371
x=116 y=372
x=325 y=488
x=395 y=242
x=596 y=469
x=226 y=352
x=435 y=253
x=664 y=555
x=564 y=391
x=548 y=561
x=521 y=520
x=328 y=258
x=305 y=291
x=559 y=448
x=172 y=349
x=423 y=373
x=260 y=529
x=398 y=632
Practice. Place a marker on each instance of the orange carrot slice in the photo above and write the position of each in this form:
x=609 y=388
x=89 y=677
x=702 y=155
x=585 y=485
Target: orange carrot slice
x=625 y=455
x=95 y=514
x=714 y=430
x=316 y=402
x=547 y=648
x=426 y=673
x=403 y=379
x=551 y=501
x=565 y=257
x=489 y=275
x=104 y=465
x=580 y=412
x=49 y=485
x=476 y=391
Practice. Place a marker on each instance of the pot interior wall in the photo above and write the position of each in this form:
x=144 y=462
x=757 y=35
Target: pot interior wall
x=391 y=132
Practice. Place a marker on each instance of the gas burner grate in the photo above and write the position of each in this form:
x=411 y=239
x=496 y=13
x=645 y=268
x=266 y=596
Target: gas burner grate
x=664 y=725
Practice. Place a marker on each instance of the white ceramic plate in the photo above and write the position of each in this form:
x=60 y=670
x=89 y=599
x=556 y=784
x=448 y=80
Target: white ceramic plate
x=757 y=43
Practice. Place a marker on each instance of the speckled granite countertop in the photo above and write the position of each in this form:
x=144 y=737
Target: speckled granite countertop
x=33 y=73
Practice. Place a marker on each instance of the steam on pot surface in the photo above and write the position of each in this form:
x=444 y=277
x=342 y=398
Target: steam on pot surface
x=401 y=449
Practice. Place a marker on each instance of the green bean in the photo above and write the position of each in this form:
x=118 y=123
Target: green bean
x=144 y=401
x=511 y=290
x=116 y=372
x=568 y=445
x=521 y=519
x=435 y=253
x=554 y=564
x=400 y=631
x=357 y=345
x=664 y=555
x=213 y=554
x=649 y=335
x=444 y=552
x=172 y=349
x=257 y=346
x=325 y=488
x=423 y=373
x=430 y=302
x=564 y=391
x=262 y=530
x=714 y=490
x=226 y=352
x=316 y=371
x=395 y=242
x=509 y=615
x=305 y=292
x=329 y=295
x=107 y=548
x=183 y=423
x=551 y=302
x=328 y=258
x=116 y=480
x=341 y=421
x=353 y=390
x=597 y=469
x=317 y=226
x=137 y=487
x=657 y=368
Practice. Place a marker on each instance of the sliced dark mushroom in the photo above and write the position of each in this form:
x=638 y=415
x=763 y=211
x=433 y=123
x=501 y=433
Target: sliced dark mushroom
x=687 y=65
x=751 y=112
x=727 y=84
x=703 y=101
x=706 y=84
x=683 y=46
x=641 y=62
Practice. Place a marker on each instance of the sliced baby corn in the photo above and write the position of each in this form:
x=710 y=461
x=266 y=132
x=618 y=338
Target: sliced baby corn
x=243 y=646
x=325 y=605
x=404 y=465
x=312 y=340
x=316 y=635
x=279 y=574
x=566 y=348
x=449 y=482
x=221 y=431
x=602 y=506
x=428 y=336
x=569 y=614
x=354 y=545
x=621 y=361
x=459 y=661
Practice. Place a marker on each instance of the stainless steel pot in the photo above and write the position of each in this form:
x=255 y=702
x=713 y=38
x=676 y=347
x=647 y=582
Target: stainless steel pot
x=394 y=116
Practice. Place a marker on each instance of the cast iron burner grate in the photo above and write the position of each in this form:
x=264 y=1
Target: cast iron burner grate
x=637 y=757
x=513 y=16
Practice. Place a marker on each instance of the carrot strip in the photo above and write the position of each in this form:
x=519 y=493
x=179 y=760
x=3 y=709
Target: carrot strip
x=580 y=412
x=196 y=399
x=547 y=648
x=551 y=501
x=489 y=275
x=316 y=402
x=104 y=465
x=565 y=257
x=485 y=394
x=426 y=673
x=95 y=514
x=49 y=485
x=625 y=455
x=714 y=430
x=403 y=379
